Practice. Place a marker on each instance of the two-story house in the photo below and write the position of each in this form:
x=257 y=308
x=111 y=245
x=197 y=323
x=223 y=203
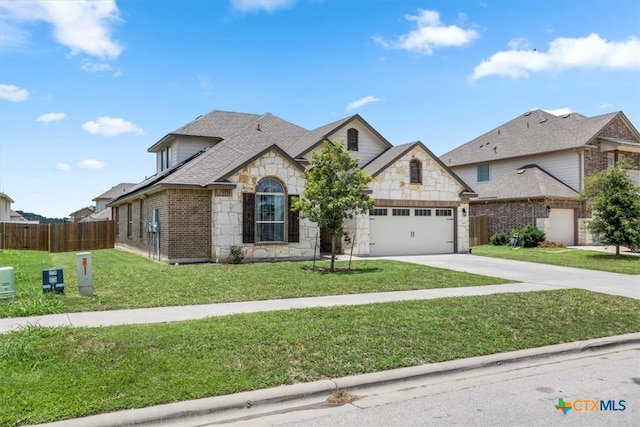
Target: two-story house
x=5 y=207
x=530 y=169
x=227 y=180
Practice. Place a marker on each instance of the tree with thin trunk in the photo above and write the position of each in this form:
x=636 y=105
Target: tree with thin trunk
x=334 y=192
x=615 y=202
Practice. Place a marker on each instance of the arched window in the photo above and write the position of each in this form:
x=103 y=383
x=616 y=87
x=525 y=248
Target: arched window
x=352 y=139
x=415 y=167
x=270 y=210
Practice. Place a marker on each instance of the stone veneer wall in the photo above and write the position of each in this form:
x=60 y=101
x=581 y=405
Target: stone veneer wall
x=227 y=212
x=438 y=187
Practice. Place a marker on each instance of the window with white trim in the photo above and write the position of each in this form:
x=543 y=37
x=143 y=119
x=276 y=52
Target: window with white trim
x=270 y=210
x=378 y=212
x=422 y=212
x=444 y=212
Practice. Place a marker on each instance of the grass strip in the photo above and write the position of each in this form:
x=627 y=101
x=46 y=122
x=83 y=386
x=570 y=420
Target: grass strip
x=123 y=280
x=567 y=257
x=54 y=374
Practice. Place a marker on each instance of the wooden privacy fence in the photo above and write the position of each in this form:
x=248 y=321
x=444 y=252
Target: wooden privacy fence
x=479 y=230
x=66 y=237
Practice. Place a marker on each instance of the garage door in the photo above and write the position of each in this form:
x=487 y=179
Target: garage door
x=561 y=226
x=410 y=231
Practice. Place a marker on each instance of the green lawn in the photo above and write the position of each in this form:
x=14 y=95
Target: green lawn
x=579 y=258
x=124 y=280
x=53 y=374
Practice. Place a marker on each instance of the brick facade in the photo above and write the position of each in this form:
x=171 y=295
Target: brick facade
x=507 y=215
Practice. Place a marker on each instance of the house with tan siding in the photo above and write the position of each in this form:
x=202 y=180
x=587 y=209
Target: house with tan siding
x=530 y=169
x=228 y=179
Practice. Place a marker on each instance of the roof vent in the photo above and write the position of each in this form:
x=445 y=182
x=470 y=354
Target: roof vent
x=520 y=171
x=543 y=120
x=258 y=128
x=566 y=115
x=498 y=131
x=527 y=113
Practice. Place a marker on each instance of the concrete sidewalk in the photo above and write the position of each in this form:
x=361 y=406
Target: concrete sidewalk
x=192 y=312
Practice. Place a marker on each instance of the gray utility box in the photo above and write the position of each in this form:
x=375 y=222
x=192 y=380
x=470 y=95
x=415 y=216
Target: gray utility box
x=7 y=284
x=52 y=280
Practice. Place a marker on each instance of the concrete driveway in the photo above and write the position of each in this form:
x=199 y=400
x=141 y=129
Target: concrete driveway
x=539 y=274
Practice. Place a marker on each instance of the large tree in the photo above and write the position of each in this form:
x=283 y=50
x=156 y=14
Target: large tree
x=334 y=192
x=615 y=202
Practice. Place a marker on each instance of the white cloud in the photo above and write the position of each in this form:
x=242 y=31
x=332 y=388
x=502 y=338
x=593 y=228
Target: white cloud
x=111 y=126
x=564 y=53
x=84 y=26
x=91 y=164
x=430 y=34
x=605 y=105
x=13 y=93
x=360 y=102
x=51 y=117
x=63 y=166
x=559 y=111
x=268 y=6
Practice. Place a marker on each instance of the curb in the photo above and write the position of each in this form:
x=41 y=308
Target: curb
x=250 y=399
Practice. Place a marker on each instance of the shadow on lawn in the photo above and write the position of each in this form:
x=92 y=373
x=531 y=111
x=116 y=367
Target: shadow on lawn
x=341 y=270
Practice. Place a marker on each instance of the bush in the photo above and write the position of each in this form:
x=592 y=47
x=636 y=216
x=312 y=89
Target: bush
x=499 y=239
x=237 y=254
x=530 y=236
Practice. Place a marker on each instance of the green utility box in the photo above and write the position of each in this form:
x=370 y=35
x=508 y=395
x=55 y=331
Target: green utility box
x=7 y=284
x=52 y=280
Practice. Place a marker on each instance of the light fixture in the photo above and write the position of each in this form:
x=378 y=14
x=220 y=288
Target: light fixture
x=464 y=212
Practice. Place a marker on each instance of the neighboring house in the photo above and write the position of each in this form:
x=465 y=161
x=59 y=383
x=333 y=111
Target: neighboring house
x=530 y=169
x=5 y=207
x=16 y=217
x=82 y=214
x=228 y=179
x=103 y=213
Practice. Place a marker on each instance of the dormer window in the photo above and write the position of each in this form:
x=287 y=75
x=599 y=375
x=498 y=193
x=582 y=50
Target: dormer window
x=352 y=139
x=415 y=171
x=165 y=158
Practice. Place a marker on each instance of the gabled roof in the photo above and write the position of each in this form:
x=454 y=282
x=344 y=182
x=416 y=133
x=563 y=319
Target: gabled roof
x=115 y=191
x=534 y=132
x=527 y=182
x=317 y=136
x=216 y=124
x=87 y=210
x=387 y=158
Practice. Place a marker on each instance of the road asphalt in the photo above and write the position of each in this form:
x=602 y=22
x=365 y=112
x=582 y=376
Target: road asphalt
x=531 y=277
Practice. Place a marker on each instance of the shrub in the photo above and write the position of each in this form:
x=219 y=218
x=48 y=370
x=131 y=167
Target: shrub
x=237 y=254
x=499 y=239
x=530 y=236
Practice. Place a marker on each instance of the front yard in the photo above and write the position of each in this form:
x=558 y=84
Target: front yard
x=123 y=280
x=567 y=257
x=54 y=374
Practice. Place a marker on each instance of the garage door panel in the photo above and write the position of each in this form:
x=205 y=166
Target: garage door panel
x=413 y=234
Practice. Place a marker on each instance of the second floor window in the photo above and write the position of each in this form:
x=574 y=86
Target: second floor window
x=482 y=173
x=352 y=139
x=165 y=158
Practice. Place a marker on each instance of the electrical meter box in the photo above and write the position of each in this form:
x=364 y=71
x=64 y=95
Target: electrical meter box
x=52 y=280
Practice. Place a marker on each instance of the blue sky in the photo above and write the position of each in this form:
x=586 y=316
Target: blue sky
x=87 y=86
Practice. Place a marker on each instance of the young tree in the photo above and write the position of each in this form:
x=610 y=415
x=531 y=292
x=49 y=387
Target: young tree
x=334 y=192
x=615 y=202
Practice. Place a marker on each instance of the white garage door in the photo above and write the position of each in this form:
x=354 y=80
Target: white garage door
x=561 y=226
x=410 y=231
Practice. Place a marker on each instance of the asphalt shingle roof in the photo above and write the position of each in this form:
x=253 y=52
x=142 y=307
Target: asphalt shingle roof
x=115 y=191
x=529 y=181
x=531 y=133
